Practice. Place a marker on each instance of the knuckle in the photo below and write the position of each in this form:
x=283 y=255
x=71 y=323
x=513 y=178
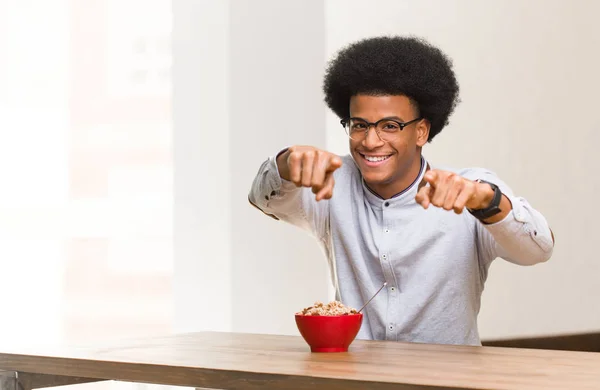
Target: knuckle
x=295 y=156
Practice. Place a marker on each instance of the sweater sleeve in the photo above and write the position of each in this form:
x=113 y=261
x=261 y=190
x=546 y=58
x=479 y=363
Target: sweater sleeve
x=282 y=200
x=523 y=237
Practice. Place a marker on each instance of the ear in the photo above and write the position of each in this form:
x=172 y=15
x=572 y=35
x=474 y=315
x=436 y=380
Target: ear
x=423 y=132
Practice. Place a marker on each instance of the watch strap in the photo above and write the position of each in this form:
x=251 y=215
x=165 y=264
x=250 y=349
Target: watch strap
x=493 y=207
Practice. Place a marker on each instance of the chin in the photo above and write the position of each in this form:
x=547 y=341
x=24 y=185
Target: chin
x=375 y=179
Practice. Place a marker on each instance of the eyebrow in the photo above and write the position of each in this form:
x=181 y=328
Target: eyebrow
x=384 y=118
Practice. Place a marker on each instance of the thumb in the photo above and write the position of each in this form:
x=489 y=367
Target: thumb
x=334 y=163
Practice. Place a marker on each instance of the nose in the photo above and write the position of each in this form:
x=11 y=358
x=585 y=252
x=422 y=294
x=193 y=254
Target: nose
x=372 y=139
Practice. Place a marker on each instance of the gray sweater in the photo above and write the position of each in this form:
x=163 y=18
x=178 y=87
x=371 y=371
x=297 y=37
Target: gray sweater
x=435 y=262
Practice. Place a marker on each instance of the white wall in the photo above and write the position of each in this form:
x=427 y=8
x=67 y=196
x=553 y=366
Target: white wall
x=276 y=65
x=34 y=115
x=246 y=84
x=202 y=193
x=247 y=81
x=529 y=80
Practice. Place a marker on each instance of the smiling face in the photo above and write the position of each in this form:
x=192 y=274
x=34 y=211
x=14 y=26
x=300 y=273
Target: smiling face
x=391 y=165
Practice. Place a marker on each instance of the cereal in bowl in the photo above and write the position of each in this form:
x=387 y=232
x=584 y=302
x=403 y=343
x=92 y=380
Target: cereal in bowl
x=333 y=308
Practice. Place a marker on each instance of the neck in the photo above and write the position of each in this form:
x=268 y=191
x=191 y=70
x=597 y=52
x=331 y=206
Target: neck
x=388 y=190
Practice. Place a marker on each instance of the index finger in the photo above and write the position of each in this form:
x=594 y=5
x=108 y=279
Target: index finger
x=334 y=163
x=431 y=177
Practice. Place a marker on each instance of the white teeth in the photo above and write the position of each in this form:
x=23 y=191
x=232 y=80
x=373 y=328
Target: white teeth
x=376 y=159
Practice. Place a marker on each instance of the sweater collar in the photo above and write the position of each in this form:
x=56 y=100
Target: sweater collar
x=403 y=196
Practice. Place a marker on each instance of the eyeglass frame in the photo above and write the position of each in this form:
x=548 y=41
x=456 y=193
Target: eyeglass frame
x=402 y=125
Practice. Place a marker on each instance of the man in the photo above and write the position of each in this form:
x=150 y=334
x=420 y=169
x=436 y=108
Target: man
x=384 y=214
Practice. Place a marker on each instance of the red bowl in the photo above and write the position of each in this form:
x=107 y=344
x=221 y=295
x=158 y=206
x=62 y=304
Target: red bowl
x=329 y=333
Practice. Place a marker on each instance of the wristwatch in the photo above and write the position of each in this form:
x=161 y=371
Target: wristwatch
x=493 y=208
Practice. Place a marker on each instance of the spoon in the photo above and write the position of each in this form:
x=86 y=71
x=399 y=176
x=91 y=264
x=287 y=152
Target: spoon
x=380 y=288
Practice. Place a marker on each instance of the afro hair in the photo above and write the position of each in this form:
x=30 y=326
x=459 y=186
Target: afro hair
x=394 y=66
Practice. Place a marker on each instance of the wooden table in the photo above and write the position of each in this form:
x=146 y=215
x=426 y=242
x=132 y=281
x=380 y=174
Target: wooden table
x=250 y=361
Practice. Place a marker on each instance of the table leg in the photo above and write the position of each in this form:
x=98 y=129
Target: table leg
x=11 y=380
x=8 y=380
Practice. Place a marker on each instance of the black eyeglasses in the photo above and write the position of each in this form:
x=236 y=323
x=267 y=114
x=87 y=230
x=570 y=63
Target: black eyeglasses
x=386 y=128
